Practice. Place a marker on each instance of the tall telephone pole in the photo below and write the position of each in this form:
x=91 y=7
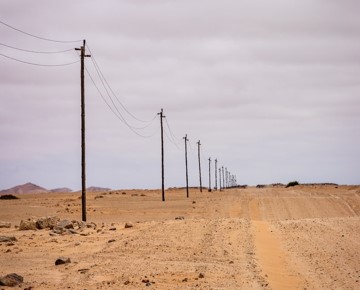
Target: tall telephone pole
x=186 y=166
x=83 y=164
x=215 y=174
x=223 y=184
x=209 y=175
x=226 y=178
x=220 y=179
x=198 y=143
x=162 y=155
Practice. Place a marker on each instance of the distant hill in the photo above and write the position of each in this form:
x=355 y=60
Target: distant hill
x=94 y=188
x=24 y=189
x=62 y=189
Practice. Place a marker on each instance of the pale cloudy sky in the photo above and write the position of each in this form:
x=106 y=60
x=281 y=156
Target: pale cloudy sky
x=271 y=88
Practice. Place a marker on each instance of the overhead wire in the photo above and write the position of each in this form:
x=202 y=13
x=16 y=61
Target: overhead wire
x=35 y=51
x=36 y=36
x=114 y=105
x=38 y=64
x=101 y=75
x=113 y=111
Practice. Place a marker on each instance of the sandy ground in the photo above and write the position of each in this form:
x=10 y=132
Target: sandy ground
x=304 y=237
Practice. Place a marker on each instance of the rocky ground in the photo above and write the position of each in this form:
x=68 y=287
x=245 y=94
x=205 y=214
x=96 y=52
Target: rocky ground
x=303 y=237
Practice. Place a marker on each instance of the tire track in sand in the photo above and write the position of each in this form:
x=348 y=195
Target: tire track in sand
x=272 y=260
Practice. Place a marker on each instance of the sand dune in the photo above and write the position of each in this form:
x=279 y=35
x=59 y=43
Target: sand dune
x=304 y=237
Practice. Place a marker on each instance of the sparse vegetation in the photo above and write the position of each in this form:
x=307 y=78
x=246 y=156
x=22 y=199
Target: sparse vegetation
x=292 y=183
x=8 y=196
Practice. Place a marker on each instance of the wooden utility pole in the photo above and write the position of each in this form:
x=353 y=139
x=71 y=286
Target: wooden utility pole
x=83 y=164
x=215 y=174
x=226 y=178
x=219 y=179
x=223 y=184
x=162 y=155
x=186 y=166
x=198 y=143
x=209 y=175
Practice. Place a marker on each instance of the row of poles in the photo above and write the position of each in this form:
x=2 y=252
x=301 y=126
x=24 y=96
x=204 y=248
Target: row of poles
x=226 y=179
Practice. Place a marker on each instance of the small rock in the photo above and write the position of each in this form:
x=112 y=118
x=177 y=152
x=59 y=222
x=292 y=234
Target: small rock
x=194 y=202
x=128 y=225
x=26 y=225
x=62 y=260
x=111 y=241
x=47 y=222
x=180 y=218
x=185 y=279
x=11 y=280
x=65 y=224
x=124 y=193
x=5 y=239
x=112 y=229
x=127 y=282
x=5 y=225
x=201 y=275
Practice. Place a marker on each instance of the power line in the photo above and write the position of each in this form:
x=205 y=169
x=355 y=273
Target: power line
x=114 y=105
x=38 y=37
x=101 y=75
x=38 y=64
x=112 y=110
x=35 y=51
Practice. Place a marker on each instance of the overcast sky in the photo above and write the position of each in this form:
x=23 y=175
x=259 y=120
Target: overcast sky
x=271 y=88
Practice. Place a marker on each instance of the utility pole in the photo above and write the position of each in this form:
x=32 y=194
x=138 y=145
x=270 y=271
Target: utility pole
x=224 y=186
x=162 y=155
x=83 y=164
x=226 y=178
x=198 y=143
x=209 y=174
x=186 y=167
x=215 y=174
x=220 y=178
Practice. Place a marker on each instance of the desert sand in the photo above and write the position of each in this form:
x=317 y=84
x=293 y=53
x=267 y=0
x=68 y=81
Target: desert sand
x=302 y=237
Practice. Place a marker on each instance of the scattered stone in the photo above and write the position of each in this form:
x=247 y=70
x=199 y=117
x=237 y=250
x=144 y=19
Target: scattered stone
x=142 y=194
x=26 y=225
x=83 y=271
x=111 y=241
x=201 y=275
x=29 y=288
x=47 y=222
x=194 y=202
x=5 y=239
x=5 y=225
x=185 y=280
x=180 y=218
x=148 y=284
x=11 y=280
x=65 y=224
x=112 y=229
x=231 y=262
x=124 y=193
x=62 y=260
x=134 y=194
x=99 y=196
x=128 y=225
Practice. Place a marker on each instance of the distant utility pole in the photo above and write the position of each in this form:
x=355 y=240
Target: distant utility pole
x=209 y=175
x=162 y=155
x=215 y=174
x=83 y=165
x=186 y=166
x=223 y=184
x=198 y=143
x=220 y=178
x=226 y=178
